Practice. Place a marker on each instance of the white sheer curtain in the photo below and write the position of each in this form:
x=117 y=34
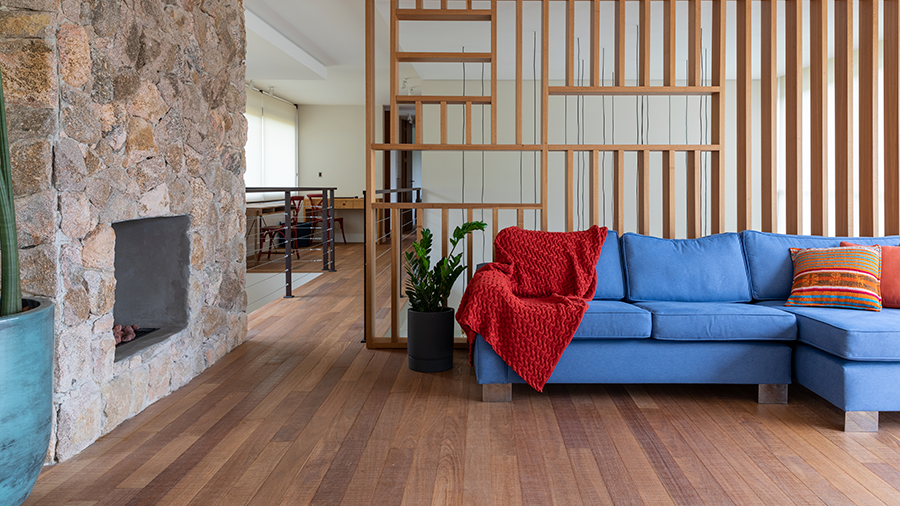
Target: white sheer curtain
x=271 y=144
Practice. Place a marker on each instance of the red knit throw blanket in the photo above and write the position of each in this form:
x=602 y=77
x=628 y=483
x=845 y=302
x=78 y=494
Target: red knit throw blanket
x=529 y=302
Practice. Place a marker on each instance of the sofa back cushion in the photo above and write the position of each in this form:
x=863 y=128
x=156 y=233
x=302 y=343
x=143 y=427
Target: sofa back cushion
x=709 y=269
x=769 y=258
x=610 y=279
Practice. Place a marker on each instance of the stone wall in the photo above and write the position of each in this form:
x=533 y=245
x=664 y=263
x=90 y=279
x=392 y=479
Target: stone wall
x=118 y=110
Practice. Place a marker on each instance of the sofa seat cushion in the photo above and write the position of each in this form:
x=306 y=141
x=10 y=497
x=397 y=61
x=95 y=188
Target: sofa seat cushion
x=609 y=319
x=719 y=321
x=846 y=333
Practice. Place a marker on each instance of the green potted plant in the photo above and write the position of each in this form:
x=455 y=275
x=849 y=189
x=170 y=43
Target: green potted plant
x=26 y=355
x=430 y=336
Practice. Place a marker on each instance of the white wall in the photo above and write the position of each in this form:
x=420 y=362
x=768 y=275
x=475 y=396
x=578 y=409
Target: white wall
x=333 y=142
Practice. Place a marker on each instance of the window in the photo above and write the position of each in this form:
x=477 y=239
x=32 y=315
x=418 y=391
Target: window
x=271 y=144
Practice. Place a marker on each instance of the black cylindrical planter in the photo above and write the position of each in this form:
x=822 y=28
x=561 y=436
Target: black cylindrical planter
x=430 y=340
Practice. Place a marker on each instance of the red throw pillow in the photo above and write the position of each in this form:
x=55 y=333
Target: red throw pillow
x=572 y=255
x=890 y=275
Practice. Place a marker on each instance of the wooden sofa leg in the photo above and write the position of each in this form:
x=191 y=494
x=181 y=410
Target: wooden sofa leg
x=773 y=394
x=496 y=392
x=860 y=421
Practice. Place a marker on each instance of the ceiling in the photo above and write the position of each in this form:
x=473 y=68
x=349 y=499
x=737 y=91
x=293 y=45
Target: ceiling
x=313 y=51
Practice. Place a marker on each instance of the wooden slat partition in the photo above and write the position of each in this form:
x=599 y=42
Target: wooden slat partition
x=717 y=119
x=570 y=190
x=692 y=195
x=643 y=177
x=644 y=45
x=845 y=210
x=520 y=118
x=697 y=194
x=470 y=246
x=595 y=187
x=744 y=115
x=620 y=44
x=619 y=191
x=891 y=117
x=818 y=103
x=668 y=185
x=396 y=266
x=494 y=98
x=768 y=98
x=868 y=118
x=793 y=107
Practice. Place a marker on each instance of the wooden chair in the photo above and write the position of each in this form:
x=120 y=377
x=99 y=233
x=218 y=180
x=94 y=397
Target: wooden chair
x=315 y=215
x=271 y=233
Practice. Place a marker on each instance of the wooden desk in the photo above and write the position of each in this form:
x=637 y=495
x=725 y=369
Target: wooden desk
x=255 y=209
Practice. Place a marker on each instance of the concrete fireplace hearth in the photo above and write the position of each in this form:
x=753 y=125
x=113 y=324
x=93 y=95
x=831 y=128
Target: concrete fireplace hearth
x=122 y=112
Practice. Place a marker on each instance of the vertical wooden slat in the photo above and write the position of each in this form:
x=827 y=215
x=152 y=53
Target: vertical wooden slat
x=843 y=119
x=717 y=119
x=669 y=43
x=620 y=43
x=891 y=117
x=520 y=218
x=371 y=232
x=619 y=191
x=470 y=246
x=495 y=229
x=443 y=4
x=570 y=190
x=694 y=43
x=519 y=71
x=692 y=195
x=419 y=122
x=494 y=99
x=818 y=104
x=395 y=74
x=545 y=206
x=545 y=76
x=595 y=43
x=468 y=122
x=668 y=192
x=420 y=4
x=571 y=69
x=545 y=108
x=793 y=107
x=595 y=188
x=444 y=122
x=644 y=45
x=395 y=274
x=445 y=232
x=743 y=116
x=868 y=118
x=644 y=188
x=768 y=98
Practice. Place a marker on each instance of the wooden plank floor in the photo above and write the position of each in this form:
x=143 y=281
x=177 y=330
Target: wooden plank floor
x=304 y=414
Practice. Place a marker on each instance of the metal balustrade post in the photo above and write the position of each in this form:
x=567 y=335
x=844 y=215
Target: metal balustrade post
x=333 y=236
x=288 y=289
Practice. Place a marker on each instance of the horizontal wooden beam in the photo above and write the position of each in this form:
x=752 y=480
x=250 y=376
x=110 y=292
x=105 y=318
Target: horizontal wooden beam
x=443 y=15
x=550 y=147
x=437 y=99
x=451 y=205
x=405 y=57
x=635 y=90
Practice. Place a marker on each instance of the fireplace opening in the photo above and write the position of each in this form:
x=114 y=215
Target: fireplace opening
x=152 y=260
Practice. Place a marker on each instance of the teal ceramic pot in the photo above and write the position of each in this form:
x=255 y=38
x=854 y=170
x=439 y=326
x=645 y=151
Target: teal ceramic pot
x=26 y=398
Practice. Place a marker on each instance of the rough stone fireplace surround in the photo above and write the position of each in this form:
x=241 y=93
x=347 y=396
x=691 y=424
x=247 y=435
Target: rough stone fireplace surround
x=121 y=110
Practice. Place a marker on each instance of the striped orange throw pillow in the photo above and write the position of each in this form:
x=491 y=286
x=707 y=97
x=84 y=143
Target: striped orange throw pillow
x=847 y=277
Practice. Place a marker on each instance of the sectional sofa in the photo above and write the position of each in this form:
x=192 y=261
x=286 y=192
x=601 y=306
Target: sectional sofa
x=710 y=310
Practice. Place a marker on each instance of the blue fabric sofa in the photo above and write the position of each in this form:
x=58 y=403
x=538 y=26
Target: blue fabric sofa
x=710 y=310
